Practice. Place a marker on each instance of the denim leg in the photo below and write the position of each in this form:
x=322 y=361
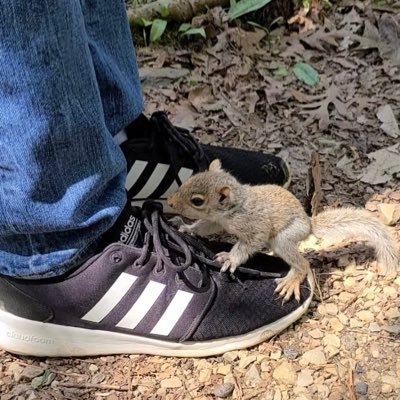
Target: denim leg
x=114 y=60
x=61 y=174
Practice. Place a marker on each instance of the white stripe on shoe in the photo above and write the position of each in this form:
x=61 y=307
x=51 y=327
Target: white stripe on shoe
x=134 y=173
x=111 y=298
x=120 y=137
x=142 y=305
x=153 y=182
x=184 y=174
x=172 y=314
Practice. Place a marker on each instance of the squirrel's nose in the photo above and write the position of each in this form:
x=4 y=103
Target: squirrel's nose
x=171 y=201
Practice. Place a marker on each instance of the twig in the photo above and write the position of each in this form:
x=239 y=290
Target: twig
x=318 y=287
x=350 y=386
x=254 y=394
x=178 y=10
x=99 y=386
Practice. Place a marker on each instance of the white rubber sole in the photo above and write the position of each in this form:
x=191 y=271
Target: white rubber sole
x=27 y=337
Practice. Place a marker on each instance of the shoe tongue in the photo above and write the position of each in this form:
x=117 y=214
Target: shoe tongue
x=127 y=228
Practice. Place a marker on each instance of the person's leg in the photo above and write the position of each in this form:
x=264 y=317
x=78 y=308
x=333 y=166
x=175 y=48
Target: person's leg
x=61 y=174
x=114 y=59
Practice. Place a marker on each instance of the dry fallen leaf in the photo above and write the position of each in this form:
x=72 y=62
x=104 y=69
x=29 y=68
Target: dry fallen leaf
x=318 y=107
x=389 y=32
x=389 y=123
x=199 y=96
x=385 y=163
x=154 y=76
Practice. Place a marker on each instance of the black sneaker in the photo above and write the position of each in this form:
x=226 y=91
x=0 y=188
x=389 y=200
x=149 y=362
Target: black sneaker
x=152 y=291
x=160 y=157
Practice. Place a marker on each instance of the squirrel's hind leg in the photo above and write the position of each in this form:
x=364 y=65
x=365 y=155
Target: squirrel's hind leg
x=285 y=246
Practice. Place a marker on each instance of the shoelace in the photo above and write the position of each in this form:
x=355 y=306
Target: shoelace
x=177 y=141
x=161 y=238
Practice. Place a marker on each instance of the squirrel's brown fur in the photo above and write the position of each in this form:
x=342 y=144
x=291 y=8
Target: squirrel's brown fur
x=269 y=214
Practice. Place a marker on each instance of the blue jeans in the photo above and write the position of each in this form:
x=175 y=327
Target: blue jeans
x=68 y=83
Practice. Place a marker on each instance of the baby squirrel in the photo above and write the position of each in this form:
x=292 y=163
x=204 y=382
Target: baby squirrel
x=269 y=214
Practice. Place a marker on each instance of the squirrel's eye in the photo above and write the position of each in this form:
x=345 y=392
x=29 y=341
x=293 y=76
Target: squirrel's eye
x=197 y=201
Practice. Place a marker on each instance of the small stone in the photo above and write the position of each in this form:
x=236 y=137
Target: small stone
x=224 y=390
x=390 y=292
x=355 y=323
x=350 y=283
x=375 y=350
x=93 y=368
x=372 y=375
x=16 y=371
x=344 y=319
x=224 y=369
x=361 y=388
x=374 y=327
x=245 y=362
x=315 y=357
x=389 y=213
x=331 y=340
x=252 y=375
x=395 y=329
x=276 y=355
x=173 y=382
x=345 y=297
x=336 y=325
x=331 y=351
x=205 y=375
x=392 y=313
x=391 y=380
x=331 y=308
x=32 y=372
x=305 y=378
x=98 y=378
x=359 y=368
x=290 y=352
x=285 y=373
x=316 y=334
x=277 y=395
x=231 y=356
x=265 y=366
x=386 y=388
x=365 y=315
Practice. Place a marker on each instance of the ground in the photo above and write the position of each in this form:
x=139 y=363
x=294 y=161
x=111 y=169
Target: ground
x=240 y=89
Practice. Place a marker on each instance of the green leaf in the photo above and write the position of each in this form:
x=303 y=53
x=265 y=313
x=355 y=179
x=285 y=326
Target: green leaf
x=306 y=73
x=144 y=22
x=280 y=71
x=43 y=380
x=258 y=26
x=184 y=27
x=157 y=29
x=164 y=10
x=244 y=7
x=196 y=31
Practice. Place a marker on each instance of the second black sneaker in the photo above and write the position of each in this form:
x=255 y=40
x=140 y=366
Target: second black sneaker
x=149 y=290
x=161 y=156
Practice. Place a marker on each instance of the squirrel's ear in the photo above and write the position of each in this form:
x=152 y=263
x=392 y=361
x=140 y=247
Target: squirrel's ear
x=215 y=165
x=224 y=193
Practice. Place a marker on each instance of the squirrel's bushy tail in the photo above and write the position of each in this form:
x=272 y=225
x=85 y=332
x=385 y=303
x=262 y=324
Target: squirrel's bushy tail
x=352 y=223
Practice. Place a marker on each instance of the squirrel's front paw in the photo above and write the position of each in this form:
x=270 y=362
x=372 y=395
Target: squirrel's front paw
x=186 y=229
x=227 y=261
x=289 y=286
x=176 y=221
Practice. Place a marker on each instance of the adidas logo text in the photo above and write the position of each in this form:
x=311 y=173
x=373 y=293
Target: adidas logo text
x=125 y=235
